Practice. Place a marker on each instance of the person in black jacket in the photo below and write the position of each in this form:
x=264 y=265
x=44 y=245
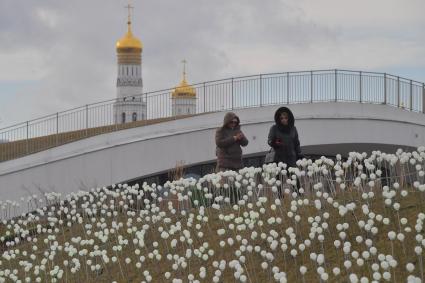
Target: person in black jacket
x=283 y=138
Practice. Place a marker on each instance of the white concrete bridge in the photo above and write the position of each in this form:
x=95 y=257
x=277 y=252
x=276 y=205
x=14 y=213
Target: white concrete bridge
x=325 y=128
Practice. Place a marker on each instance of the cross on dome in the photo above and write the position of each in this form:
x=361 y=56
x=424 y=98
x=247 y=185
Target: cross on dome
x=129 y=7
x=184 y=90
x=129 y=42
x=184 y=68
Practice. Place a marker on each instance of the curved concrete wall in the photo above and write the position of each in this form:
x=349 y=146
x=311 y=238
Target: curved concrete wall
x=324 y=128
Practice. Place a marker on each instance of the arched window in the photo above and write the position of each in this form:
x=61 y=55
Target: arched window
x=134 y=117
x=123 y=117
x=188 y=110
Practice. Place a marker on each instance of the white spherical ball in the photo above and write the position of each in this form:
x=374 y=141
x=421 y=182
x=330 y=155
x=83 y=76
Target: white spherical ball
x=410 y=267
x=336 y=271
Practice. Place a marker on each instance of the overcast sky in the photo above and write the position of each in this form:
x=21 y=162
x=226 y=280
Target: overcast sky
x=56 y=54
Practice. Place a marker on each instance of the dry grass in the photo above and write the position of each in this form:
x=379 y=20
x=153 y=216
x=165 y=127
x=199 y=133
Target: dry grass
x=16 y=149
x=177 y=172
x=121 y=272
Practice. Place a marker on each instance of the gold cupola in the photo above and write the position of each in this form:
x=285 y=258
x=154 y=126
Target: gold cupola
x=129 y=48
x=129 y=42
x=184 y=90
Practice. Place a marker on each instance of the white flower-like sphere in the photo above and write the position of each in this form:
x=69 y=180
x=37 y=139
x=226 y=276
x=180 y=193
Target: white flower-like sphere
x=391 y=235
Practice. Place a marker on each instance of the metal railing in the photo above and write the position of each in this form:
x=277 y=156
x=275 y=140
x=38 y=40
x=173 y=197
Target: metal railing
x=220 y=95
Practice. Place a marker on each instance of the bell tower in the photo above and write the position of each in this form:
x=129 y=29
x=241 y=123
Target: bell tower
x=129 y=105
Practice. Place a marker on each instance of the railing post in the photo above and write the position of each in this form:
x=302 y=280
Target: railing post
x=398 y=91
x=87 y=120
x=145 y=106
x=287 y=88
x=261 y=90
x=232 y=94
x=27 y=139
x=336 y=85
x=57 y=128
x=360 y=87
x=411 y=96
x=205 y=98
x=146 y=99
x=385 y=88
x=116 y=108
x=423 y=98
x=311 y=86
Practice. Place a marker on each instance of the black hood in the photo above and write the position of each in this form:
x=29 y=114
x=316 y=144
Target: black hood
x=291 y=119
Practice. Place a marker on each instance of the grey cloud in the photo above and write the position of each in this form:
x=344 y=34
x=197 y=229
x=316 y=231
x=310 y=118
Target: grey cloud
x=76 y=41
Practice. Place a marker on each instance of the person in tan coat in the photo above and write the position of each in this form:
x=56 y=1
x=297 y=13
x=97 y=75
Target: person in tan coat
x=229 y=140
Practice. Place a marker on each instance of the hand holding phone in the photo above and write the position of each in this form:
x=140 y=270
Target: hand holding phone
x=239 y=136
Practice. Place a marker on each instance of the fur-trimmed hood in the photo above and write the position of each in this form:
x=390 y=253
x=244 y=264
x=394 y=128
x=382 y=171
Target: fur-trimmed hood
x=291 y=119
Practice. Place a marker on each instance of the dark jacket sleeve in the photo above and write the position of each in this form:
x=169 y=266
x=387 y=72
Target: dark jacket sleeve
x=297 y=145
x=222 y=141
x=272 y=137
x=243 y=141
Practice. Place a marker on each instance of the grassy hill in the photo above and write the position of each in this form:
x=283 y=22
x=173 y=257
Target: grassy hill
x=338 y=227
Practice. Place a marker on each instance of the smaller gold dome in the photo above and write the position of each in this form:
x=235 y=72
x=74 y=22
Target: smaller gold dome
x=184 y=90
x=129 y=41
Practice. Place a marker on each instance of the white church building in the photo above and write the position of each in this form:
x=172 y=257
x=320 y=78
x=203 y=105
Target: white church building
x=183 y=98
x=130 y=105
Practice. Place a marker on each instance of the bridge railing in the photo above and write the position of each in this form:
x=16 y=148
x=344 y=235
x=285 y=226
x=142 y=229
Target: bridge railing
x=220 y=95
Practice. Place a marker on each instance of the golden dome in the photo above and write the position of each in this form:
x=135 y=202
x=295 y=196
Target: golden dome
x=129 y=41
x=184 y=90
